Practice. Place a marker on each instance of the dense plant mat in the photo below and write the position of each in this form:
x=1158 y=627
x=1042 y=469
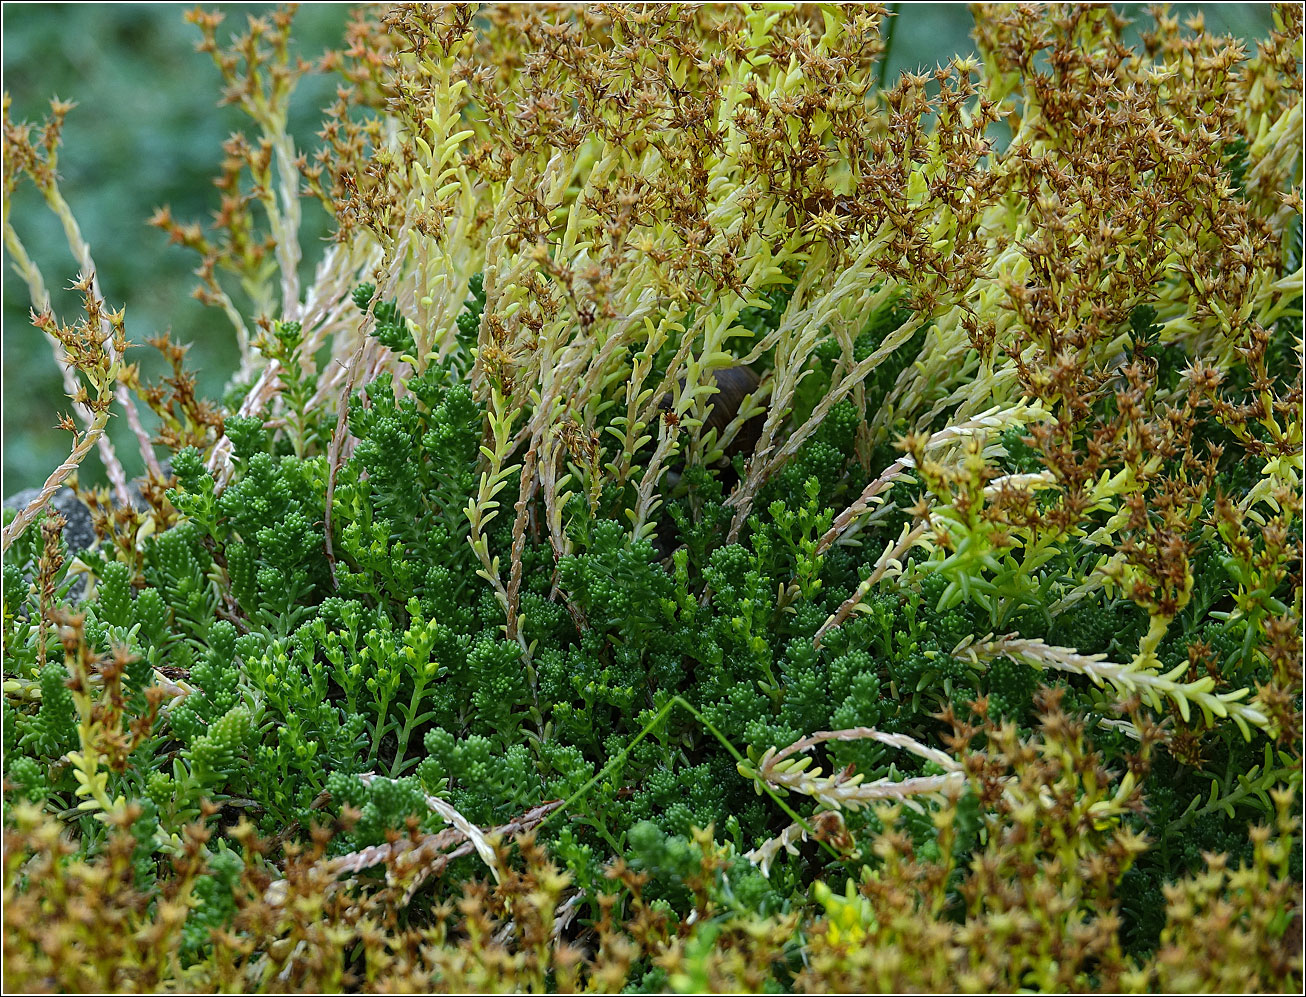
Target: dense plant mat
x=712 y=519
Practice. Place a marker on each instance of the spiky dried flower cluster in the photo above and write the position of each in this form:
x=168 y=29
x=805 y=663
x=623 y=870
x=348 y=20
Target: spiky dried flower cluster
x=1027 y=262
x=480 y=491
x=1038 y=906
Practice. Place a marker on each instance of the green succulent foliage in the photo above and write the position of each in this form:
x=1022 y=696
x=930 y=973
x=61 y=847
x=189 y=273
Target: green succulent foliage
x=391 y=328
x=53 y=730
x=673 y=860
x=382 y=806
x=380 y=675
x=469 y=320
x=27 y=777
x=215 y=893
x=372 y=634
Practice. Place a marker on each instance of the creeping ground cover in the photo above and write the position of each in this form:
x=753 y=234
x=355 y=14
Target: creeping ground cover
x=714 y=516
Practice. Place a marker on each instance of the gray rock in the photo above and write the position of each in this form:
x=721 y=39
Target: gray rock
x=79 y=534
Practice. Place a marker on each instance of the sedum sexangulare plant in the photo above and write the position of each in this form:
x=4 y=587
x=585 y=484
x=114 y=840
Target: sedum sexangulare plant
x=1037 y=906
x=956 y=646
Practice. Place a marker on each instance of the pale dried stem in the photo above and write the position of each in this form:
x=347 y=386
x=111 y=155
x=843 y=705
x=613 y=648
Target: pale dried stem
x=892 y=557
x=1125 y=679
x=285 y=221
x=465 y=827
x=903 y=742
x=994 y=418
x=765 y=854
x=40 y=299
x=228 y=308
x=648 y=484
x=384 y=290
x=27 y=515
x=525 y=493
x=796 y=339
x=427 y=855
x=81 y=251
x=326 y=316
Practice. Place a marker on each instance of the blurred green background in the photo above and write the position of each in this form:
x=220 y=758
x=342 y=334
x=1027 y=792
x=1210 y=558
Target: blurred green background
x=147 y=131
